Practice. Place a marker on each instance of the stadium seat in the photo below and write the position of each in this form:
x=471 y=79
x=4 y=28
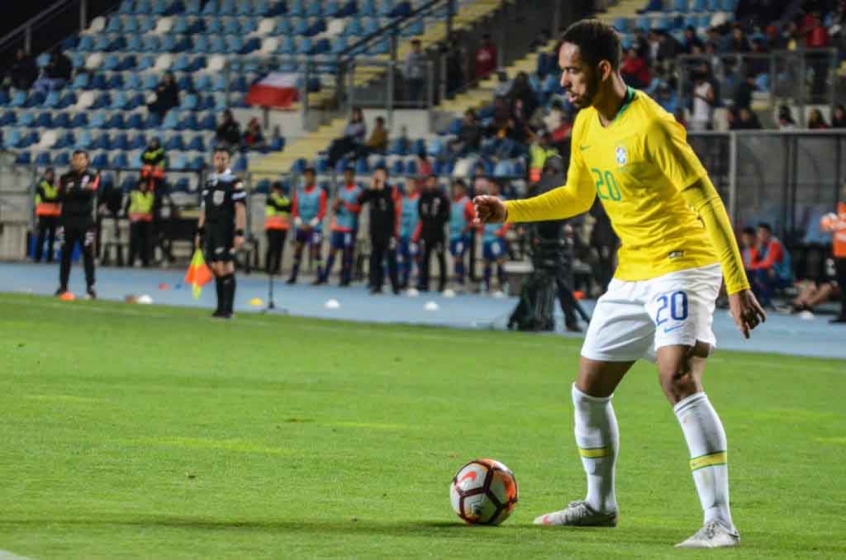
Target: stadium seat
x=61 y=160
x=174 y=143
x=64 y=141
x=8 y=118
x=209 y=122
x=23 y=158
x=100 y=161
x=26 y=119
x=62 y=120
x=192 y=7
x=354 y=29
x=190 y=122
x=197 y=163
x=101 y=142
x=116 y=121
x=240 y=165
x=138 y=142
x=367 y=8
x=120 y=142
x=153 y=121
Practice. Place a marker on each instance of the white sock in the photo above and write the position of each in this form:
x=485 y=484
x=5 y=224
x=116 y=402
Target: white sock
x=706 y=440
x=598 y=441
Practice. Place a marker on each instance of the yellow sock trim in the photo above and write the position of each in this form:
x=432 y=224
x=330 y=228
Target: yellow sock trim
x=595 y=452
x=710 y=460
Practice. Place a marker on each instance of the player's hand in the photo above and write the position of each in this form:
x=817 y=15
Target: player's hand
x=198 y=241
x=238 y=242
x=489 y=210
x=746 y=310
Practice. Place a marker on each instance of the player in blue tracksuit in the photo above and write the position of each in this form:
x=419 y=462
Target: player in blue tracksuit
x=409 y=218
x=462 y=214
x=309 y=209
x=494 y=248
x=344 y=229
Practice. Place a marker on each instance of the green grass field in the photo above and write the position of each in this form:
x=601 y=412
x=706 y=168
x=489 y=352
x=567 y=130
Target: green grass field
x=154 y=432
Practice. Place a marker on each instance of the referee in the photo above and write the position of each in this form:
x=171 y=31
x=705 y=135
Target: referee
x=220 y=230
x=78 y=196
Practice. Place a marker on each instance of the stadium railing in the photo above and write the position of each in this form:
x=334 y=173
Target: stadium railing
x=781 y=75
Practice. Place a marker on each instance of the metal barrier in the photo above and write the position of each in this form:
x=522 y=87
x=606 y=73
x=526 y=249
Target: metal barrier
x=795 y=78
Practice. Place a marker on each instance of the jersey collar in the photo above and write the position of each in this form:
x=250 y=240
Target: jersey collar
x=627 y=101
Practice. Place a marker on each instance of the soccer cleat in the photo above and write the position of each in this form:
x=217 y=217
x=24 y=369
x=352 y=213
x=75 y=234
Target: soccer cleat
x=61 y=291
x=713 y=535
x=90 y=293
x=578 y=514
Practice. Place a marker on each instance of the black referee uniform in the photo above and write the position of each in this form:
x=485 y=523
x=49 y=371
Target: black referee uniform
x=220 y=194
x=434 y=210
x=383 y=235
x=78 y=195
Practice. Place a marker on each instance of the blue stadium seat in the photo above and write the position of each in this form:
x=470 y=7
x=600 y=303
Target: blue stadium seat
x=86 y=44
x=386 y=7
x=209 y=122
x=367 y=8
x=100 y=160
x=99 y=82
x=300 y=26
x=111 y=62
x=398 y=168
x=305 y=45
x=153 y=121
x=217 y=45
x=62 y=120
x=44 y=120
x=175 y=143
x=35 y=100
x=168 y=43
x=133 y=43
x=84 y=139
x=61 y=160
x=234 y=44
x=227 y=8
x=229 y=27
x=296 y=8
x=361 y=167
x=283 y=28
x=192 y=7
x=699 y=5
x=147 y=62
x=143 y=7
x=65 y=140
x=214 y=26
x=197 y=164
x=682 y=5
x=339 y=44
x=411 y=167
x=23 y=158
x=138 y=142
x=18 y=99
x=371 y=26
x=314 y=9
x=417 y=27
x=178 y=162
x=8 y=118
x=171 y=120
x=150 y=43
x=729 y=5
x=240 y=165
x=151 y=81
x=190 y=122
x=101 y=142
x=52 y=100
x=116 y=121
x=126 y=7
x=644 y=22
x=197 y=144
x=197 y=63
x=27 y=120
x=120 y=142
x=115 y=82
x=98 y=119
x=219 y=83
x=203 y=82
x=80 y=81
x=201 y=45
x=354 y=28
x=286 y=46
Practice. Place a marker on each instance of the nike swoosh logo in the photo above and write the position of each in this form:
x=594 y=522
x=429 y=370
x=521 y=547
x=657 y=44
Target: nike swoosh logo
x=583 y=148
x=671 y=329
x=470 y=475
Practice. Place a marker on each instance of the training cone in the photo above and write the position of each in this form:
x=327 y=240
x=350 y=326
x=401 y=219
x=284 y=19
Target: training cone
x=332 y=304
x=412 y=292
x=164 y=286
x=449 y=293
x=256 y=302
x=67 y=296
x=145 y=299
x=578 y=294
x=431 y=306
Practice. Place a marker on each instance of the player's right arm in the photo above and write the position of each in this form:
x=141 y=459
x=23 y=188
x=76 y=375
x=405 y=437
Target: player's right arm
x=574 y=198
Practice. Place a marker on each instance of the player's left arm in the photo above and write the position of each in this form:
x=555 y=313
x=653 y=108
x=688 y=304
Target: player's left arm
x=666 y=145
x=239 y=198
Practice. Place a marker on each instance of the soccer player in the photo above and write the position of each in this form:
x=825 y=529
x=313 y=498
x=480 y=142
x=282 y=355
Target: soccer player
x=277 y=222
x=47 y=210
x=494 y=245
x=675 y=234
x=344 y=229
x=409 y=218
x=220 y=231
x=462 y=215
x=78 y=195
x=309 y=211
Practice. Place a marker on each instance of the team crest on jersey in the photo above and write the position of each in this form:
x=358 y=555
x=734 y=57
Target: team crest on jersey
x=217 y=197
x=622 y=156
x=84 y=181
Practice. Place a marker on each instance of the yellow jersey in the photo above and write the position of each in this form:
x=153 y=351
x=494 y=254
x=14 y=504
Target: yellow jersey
x=639 y=166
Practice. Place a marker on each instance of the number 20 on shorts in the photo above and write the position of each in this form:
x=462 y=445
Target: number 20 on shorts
x=674 y=304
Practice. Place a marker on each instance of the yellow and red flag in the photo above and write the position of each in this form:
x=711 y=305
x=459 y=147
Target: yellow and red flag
x=198 y=274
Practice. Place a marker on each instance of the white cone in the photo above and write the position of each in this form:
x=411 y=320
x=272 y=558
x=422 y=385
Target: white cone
x=431 y=306
x=332 y=304
x=449 y=292
x=806 y=315
x=412 y=292
x=144 y=299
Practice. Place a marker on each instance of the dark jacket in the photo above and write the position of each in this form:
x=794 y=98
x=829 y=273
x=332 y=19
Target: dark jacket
x=78 y=193
x=383 y=211
x=434 y=210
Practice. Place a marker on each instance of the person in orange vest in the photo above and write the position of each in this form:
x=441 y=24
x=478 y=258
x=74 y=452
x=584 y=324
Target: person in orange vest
x=277 y=222
x=139 y=210
x=47 y=210
x=836 y=224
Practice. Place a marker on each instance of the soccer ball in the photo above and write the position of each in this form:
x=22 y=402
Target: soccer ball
x=483 y=492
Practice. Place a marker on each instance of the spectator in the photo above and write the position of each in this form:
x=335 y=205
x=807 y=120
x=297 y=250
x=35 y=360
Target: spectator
x=703 y=103
x=641 y=44
x=785 y=119
x=555 y=117
x=747 y=119
x=772 y=269
x=434 y=210
x=718 y=69
x=654 y=45
x=486 y=57
x=228 y=132
x=839 y=118
x=668 y=47
x=167 y=96
x=539 y=151
x=470 y=137
x=352 y=140
x=521 y=90
x=816 y=37
x=56 y=74
x=47 y=211
x=738 y=43
x=743 y=93
x=748 y=249
x=424 y=166
x=816 y=121
x=758 y=63
x=378 y=142
x=503 y=85
x=813 y=293
x=253 y=137
x=454 y=67
x=635 y=70
x=540 y=41
x=23 y=72
x=667 y=99
x=415 y=73
x=691 y=40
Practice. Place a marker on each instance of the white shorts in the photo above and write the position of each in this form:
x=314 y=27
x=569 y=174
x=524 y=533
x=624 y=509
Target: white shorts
x=633 y=319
